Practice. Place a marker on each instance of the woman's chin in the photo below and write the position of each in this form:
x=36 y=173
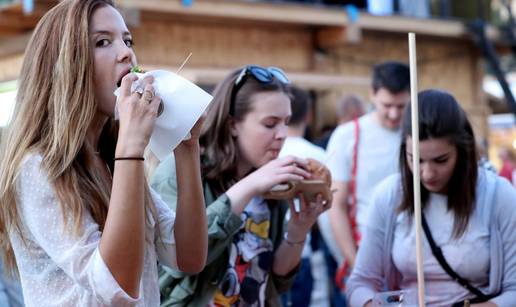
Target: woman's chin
x=273 y=154
x=434 y=188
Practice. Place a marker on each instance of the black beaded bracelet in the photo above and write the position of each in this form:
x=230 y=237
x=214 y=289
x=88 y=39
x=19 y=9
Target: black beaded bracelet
x=129 y=158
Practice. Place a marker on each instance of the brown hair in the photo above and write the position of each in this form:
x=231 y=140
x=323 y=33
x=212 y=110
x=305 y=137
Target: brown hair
x=220 y=152
x=440 y=116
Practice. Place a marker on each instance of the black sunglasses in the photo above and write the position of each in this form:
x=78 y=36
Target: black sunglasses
x=261 y=74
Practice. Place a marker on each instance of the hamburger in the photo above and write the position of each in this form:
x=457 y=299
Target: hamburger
x=138 y=70
x=319 y=183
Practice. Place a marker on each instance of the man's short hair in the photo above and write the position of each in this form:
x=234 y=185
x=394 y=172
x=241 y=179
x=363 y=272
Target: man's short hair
x=392 y=76
x=300 y=104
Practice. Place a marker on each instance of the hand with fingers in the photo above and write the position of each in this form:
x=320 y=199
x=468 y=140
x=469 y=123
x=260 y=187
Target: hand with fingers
x=195 y=133
x=264 y=178
x=278 y=171
x=138 y=112
x=301 y=222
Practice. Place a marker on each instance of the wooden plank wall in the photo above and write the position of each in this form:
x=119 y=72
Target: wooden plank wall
x=219 y=45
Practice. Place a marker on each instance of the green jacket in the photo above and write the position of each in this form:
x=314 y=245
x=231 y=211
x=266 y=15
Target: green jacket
x=182 y=289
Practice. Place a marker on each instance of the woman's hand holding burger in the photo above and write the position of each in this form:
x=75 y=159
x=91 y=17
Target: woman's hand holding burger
x=286 y=169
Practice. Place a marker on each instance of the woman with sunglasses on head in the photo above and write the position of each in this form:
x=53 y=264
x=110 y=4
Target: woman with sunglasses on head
x=469 y=241
x=77 y=218
x=252 y=255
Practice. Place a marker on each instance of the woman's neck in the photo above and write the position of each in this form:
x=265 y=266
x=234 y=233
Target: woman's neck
x=95 y=129
x=243 y=169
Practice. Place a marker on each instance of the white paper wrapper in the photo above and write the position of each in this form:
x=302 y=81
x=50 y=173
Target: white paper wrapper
x=184 y=103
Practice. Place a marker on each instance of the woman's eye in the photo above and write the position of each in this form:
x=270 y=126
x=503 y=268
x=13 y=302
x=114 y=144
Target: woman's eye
x=102 y=43
x=441 y=161
x=129 y=42
x=269 y=125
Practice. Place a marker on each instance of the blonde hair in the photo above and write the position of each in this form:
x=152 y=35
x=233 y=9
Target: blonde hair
x=55 y=106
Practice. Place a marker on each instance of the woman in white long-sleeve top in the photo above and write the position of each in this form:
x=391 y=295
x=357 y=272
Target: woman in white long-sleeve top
x=470 y=213
x=77 y=218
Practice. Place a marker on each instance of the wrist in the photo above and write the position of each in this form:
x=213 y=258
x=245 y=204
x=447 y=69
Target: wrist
x=295 y=234
x=187 y=148
x=250 y=189
x=293 y=242
x=129 y=149
x=190 y=142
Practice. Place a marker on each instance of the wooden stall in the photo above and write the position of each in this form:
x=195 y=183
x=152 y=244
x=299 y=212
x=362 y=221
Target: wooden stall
x=319 y=47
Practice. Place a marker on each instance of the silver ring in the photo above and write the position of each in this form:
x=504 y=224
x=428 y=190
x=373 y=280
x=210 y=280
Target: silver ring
x=139 y=90
x=148 y=95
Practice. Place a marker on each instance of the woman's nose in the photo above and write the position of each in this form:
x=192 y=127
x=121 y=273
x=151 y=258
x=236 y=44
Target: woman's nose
x=427 y=171
x=282 y=131
x=125 y=53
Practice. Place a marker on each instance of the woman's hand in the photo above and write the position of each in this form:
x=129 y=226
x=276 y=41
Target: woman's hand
x=138 y=114
x=288 y=255
x=195 y=133
x=263 y=179
x=277 y=171
x=300 y=223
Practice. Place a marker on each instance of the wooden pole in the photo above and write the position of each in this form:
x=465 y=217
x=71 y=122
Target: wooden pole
x=415 y=167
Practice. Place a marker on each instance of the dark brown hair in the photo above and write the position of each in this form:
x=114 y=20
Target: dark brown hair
x=219 y=147
x=440 y=116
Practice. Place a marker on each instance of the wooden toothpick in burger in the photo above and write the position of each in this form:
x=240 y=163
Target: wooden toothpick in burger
x=415 y=167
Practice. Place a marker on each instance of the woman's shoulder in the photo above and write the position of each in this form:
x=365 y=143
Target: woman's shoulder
x=496 y=197
x=31 y=167
x=505 y=195
x=389 y=187
x=31 y=159
x=387 y=196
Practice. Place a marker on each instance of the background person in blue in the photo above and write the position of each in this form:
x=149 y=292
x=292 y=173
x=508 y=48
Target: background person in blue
x=470 y=212
x=253 y=254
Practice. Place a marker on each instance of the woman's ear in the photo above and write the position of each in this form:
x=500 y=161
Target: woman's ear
x=233 y=128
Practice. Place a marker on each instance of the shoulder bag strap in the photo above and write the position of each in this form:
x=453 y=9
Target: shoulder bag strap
x=438 y=254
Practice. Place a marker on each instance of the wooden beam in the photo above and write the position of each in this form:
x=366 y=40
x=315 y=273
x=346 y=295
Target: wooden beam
x=311 y=80
x=296 y=14
x=14 y=20
x=18 y=22
x=400 y=24
x=285 y=13
x=337 y=36
x=263 y=12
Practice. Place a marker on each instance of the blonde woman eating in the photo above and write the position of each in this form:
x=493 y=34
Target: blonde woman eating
x=77 y=218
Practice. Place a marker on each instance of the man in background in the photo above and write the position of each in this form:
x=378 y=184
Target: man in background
x=364 y=152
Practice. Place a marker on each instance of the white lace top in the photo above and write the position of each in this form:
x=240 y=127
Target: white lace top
x=60 y=269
